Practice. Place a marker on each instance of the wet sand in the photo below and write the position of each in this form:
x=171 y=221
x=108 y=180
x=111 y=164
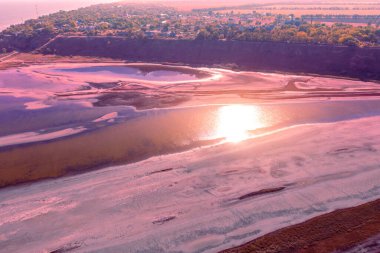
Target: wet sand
x=231 y=87
x=224 y=86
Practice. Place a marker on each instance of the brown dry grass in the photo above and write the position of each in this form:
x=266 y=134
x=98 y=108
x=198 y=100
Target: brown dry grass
x=338 y=230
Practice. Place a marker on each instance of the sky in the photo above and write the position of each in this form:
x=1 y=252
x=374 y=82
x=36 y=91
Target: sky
x=17 y=11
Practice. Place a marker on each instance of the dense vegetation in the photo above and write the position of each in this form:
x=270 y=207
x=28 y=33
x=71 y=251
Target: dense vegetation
x=156 y=21
x=316 y=33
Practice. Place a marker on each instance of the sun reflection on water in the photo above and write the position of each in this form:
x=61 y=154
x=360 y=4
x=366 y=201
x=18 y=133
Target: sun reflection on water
x=235 y=121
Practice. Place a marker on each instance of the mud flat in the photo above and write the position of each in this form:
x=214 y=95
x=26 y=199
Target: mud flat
x=200 y=86
x=57 y=105
x=185 y=182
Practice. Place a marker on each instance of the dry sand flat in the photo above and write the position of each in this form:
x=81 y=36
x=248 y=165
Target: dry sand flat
x=204 y=200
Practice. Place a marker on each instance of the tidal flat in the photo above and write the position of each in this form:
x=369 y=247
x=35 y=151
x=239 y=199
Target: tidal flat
x=119 y=156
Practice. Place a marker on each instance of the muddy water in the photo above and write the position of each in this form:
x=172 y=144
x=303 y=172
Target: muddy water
x=135 y=135
x=138 y=73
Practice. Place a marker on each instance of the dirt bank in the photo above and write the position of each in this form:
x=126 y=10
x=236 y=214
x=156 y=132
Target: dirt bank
x=363 y=63
x=338 y=230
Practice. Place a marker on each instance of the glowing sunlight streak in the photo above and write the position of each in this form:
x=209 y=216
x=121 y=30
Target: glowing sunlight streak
x=235 y=122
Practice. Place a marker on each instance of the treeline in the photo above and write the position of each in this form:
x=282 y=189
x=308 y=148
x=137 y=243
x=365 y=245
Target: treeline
x=91 y=20
x=337 y=34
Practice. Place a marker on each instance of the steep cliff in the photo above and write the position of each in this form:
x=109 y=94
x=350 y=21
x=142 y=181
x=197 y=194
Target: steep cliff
x=363 y=63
